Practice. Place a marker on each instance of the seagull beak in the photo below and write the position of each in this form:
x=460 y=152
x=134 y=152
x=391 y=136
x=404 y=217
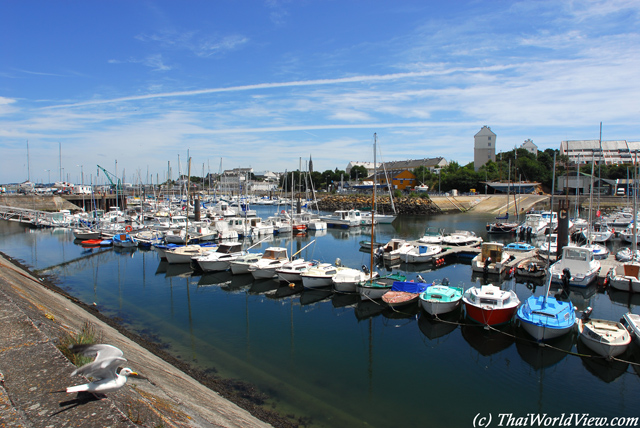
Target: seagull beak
x=134 y=373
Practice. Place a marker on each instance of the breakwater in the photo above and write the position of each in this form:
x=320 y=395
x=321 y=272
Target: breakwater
x=404 y=205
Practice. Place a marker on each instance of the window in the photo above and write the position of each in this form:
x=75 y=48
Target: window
x=489 y=137
x=489 y=144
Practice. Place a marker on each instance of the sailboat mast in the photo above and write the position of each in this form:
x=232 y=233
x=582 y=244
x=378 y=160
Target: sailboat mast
x=373 y=201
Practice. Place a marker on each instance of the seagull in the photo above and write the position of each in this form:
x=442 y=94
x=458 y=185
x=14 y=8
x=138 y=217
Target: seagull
x=102 y=369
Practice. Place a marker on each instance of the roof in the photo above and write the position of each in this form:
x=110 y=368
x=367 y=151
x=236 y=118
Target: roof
x=414 y=163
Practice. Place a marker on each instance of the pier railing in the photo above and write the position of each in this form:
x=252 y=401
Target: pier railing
x=33 y=217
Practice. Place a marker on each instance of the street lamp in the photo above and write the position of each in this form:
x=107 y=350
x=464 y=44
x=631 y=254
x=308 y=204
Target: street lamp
x=81 y=175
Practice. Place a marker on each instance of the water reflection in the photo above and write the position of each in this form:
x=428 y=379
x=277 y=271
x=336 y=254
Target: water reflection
x=488 y=341
x=435 y=328
x=540 y=357
x=603 y=369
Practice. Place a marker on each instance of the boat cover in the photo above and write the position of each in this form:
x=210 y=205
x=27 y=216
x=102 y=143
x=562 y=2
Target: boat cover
x=409 y=286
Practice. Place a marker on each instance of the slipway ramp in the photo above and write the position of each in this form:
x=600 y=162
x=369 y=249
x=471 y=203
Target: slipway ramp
x=494 y=204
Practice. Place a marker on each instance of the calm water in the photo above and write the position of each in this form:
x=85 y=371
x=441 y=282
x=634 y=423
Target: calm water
x=330 y=358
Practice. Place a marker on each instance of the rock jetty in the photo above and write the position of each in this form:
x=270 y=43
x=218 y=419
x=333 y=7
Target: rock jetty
x=404 y=205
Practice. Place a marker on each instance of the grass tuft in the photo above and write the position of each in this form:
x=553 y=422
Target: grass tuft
x=87 y=336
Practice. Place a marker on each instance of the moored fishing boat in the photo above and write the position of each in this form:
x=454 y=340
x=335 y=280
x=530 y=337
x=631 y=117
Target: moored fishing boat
x=625 y=277
x=272 y=259
x=606 y=338
x=545 y=317
x=632 y=323
x=577 y=266
x=219 y=259
x=348 y=279
x=489 y=305
x=373 y=289
x=184 y=254
x=319 y=276
x=441 y=298
x=492 y=259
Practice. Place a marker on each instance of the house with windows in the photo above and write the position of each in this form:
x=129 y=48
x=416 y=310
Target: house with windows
x=530 y=147
x=484 y=148
x=399 y=179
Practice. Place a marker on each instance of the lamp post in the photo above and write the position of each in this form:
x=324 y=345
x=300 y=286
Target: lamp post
x=439 y=172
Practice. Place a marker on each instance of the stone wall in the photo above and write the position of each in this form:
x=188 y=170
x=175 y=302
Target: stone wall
x=404 y=205
x=51 y=203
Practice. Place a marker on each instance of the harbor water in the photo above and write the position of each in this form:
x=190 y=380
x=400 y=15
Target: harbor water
x=334 y=360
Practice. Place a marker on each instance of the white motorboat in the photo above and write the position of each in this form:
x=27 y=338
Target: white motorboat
x=632 y=323
x=320 y=276
x=577 y=266
x=347 y=280
x=291 y=271
x=533 y=225
x=604 y=337
x=461 y=238
x=490 y=305
x=431 y=236
x=625 y=277
x=421 y=253
x=219 y=259
x=186 y=253
x=272 y=259
x=492 y=259
x=241 y=264
x=394 y=249
x=344 y=219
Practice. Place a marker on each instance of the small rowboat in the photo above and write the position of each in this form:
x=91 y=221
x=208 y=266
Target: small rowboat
x=404 y=293
x=91 y=243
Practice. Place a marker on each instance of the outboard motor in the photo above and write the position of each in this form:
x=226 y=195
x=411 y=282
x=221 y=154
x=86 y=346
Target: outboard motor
x=529 y=233
x=487 y=262
x=586 y=313
x=421 y=279
x=365 y=269
x=521 y=232
x=338 y=262
x=566 y=276
x=445 y=281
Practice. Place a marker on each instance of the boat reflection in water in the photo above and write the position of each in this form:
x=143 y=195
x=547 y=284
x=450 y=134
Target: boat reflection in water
x=181 y=270
x=263 y=285
x=285 y=290
x=310 y=296
x=345 y=300
x=215 y=278
x=367 y=309
x=605 y=370
x=435 y=328
x=488 y=341
x=540 y=357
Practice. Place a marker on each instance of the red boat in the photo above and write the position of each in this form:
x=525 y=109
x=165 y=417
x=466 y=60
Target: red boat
x=489 y=305
x=91 y=243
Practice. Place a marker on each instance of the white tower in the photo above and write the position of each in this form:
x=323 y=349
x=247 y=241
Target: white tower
x=484 y=148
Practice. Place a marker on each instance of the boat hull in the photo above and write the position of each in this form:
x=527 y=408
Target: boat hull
x=489 y=316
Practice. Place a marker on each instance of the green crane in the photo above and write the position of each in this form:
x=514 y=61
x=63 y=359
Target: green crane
x=118 y=186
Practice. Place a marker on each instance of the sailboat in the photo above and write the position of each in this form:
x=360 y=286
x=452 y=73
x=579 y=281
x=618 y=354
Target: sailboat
x=504 y=226
x=545 y=317
x=626 y=277
x=374 y=288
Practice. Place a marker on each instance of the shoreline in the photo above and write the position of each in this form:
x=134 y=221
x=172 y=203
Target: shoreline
x=193 y=391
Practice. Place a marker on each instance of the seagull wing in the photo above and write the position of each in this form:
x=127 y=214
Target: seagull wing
x=104 y=365
x=104 y=369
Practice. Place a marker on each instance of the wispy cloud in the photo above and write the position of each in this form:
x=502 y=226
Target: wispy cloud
x=192 y=41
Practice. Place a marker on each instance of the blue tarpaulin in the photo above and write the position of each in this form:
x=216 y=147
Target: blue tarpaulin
x=409 y=287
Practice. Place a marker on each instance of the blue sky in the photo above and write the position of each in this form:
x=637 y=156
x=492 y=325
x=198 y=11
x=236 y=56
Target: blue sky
x=262 y=84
